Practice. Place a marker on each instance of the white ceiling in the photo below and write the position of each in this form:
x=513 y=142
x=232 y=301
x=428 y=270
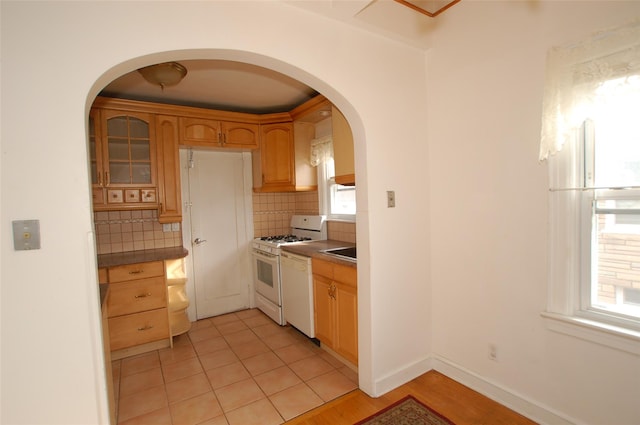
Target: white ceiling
x=243 y=87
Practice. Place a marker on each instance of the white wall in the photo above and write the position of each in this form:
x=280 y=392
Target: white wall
x=487 y=207
x=56 y=56
x=489 y=213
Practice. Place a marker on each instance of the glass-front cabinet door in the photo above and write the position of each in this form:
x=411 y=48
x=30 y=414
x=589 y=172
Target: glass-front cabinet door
x=129 y=147
x=122 y=159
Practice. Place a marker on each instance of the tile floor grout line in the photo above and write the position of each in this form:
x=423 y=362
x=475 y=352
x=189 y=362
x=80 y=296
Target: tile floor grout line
x=288 y=338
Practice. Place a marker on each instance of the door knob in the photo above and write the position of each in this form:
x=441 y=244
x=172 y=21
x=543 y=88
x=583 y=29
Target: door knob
x=199 y=241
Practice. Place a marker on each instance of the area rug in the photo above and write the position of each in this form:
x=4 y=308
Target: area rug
x=406 y=411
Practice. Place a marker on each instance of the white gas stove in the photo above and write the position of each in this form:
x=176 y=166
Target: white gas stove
x=303 y=228
x=266 y=261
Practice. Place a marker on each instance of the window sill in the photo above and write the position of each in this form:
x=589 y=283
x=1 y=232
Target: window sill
x=342 y=219
x=590 y=330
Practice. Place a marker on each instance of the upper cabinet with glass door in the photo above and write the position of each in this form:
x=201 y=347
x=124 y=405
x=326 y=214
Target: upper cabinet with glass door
x=123 y=166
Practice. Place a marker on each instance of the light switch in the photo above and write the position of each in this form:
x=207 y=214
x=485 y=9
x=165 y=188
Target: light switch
x=166 y=227
x=175 y=227
x=26 y=234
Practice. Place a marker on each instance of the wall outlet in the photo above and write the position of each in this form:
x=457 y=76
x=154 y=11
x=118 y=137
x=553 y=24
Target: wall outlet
x=166 y=227
x=391 y=198
x=493 y=352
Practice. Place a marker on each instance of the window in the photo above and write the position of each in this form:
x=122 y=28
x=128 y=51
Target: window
x=336 y=201
x=591 y=139
x=611 y=234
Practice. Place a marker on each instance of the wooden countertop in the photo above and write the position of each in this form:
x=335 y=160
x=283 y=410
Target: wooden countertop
x=312 y=249
x=143 y=256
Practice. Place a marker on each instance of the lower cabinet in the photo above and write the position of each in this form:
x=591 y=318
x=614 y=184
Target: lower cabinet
x=137 y=308
x=138 y=328
x=336 y=307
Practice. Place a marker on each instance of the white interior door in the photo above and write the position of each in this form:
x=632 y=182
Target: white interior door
x=218 y=228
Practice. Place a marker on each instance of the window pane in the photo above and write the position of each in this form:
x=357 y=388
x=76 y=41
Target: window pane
x=616 y=261
x=343 y=199
x=617 y=133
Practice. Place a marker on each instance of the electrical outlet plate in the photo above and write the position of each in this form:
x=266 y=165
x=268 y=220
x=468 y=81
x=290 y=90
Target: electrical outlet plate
x=391 y=198
x=26 y=235
x=493 y=352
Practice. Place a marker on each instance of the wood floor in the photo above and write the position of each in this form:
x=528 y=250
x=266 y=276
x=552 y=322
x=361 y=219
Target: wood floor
x=458 y=403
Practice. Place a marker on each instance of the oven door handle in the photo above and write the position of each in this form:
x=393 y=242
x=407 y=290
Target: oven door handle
x=265 y=255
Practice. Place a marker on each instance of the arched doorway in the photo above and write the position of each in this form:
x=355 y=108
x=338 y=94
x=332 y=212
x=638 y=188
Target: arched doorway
x=319 y=90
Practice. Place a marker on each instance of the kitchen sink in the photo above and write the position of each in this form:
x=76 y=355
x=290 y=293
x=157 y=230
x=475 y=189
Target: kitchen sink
x=348 y=253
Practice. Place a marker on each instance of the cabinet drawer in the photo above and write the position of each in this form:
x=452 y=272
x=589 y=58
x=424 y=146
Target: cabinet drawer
x=345 y=274
x=322 y=268
x=137 y=295
x=136 y=271
x=139 y=328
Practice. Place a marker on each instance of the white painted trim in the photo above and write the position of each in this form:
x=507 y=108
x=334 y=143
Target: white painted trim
x=526 y=407
x=593 y=331
x=514 y=401
x=401 y=376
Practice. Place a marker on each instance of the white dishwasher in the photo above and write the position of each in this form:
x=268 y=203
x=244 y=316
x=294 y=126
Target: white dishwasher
x=297 y=292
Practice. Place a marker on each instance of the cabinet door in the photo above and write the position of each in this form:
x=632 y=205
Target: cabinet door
x=323 y=309
x=306 y=174
x=199 y=132
x=240 y=135
x=168 y=170
x=342 y=148
x=96 y=162
x=277 y=158
x=346 y=342
x=129 y=150
x=95 y=149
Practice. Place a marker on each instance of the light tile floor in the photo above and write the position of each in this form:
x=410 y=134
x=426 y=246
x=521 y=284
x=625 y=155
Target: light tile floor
x=239 y=368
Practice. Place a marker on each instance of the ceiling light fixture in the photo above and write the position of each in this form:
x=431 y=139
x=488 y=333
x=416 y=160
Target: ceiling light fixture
x=164 y=74
x=428 y=7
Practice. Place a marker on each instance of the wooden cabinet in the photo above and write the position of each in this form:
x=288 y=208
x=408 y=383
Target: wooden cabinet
x=107 y=360
x=210 y=133
x=168 y=160
x=240 y=135
x=306 y=174
x=96 y=163
x=274 y=162
x=137 y=308
x=336 y=307
x=123 y=159
x=343 y=154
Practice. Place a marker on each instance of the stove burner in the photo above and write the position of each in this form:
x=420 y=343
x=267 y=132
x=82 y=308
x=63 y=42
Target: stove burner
x=284 y=238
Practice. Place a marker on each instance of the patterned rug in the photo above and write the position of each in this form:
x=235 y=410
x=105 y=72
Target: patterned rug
x=406 y=411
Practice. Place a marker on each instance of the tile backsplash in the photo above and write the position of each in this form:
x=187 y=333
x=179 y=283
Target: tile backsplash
x=122 y=231
x=272 y=215
x=272 y=211
x=341 y=231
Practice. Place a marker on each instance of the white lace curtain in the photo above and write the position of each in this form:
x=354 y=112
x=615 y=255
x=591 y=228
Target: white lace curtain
x=573 y=75
x=321 y=150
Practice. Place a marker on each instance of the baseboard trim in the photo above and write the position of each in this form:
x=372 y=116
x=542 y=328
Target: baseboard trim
x=401 y=376
x=496 y=392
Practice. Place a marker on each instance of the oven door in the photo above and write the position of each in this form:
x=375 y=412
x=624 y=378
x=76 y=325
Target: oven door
x=266 y=274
